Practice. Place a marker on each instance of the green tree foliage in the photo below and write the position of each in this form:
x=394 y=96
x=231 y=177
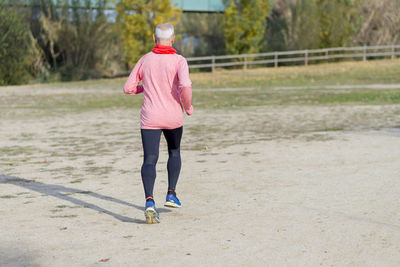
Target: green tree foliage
x=274 y=39
x=136 y=22
x=308 y=24
x=46 y=29
x=76 y=40
x=339 y=21
x=86 y=41
x=303 y=25
x=244 y=25
x=17 y=49
x=202 y=34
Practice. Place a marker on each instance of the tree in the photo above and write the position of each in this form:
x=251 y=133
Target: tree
x=17 y=48
x=136 y=22
x=77 y=41
x=86 y=41
x=302 y=30
x=381 y=23
x=339 y=21
x=309 y=24
x=46 y=30
x=202 y=34
x=274 y=38
x=244 y=25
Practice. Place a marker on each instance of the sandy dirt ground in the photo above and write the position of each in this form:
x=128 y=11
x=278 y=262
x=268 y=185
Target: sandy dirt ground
x=265 y=186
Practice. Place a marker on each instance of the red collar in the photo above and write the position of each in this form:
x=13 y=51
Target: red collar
x=163 y=49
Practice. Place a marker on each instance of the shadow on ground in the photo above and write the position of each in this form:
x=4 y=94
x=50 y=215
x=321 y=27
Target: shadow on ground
x=64 y=193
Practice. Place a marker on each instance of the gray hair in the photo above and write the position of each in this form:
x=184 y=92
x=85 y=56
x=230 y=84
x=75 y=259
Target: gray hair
x=164 y=31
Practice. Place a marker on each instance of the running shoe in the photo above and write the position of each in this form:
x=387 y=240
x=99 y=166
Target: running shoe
x=151 y=213
x=172 y=201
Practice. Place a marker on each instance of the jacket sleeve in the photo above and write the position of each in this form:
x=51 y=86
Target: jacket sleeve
x=185 y=87
x=131 y=86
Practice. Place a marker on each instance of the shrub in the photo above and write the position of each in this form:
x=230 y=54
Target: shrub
x=16 y=48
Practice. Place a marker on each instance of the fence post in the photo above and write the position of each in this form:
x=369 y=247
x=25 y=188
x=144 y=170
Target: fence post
x=327 y=55
x=245 y=62
x=393 y=56
x=306 y=58
x=213 y=63
x=276 y=60
x=364 y=53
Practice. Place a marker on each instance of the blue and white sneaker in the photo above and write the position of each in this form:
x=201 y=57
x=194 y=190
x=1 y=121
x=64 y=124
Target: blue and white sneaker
x=172 y=201
x=151 y=213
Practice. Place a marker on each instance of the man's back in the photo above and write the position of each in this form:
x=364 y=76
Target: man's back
x=165 y=78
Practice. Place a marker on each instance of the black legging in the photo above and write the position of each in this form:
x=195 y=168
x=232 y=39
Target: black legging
x=151 y=144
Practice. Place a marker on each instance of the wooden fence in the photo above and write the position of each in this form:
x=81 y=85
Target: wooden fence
x=299 y=56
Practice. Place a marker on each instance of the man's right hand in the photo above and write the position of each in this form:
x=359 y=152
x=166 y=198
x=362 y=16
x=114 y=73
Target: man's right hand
x=190 y=110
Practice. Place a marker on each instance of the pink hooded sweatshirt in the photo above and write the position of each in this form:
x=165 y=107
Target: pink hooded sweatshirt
x=166 y=87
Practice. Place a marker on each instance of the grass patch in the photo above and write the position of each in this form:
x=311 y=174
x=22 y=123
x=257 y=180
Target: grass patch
x=23 y=193
x=64 y=216
x=7 y=196
x=56 y=103
x=94 y=170
x=17 y=150
x=56 y=210
x=90 y=162
x=205 y=99
x=76 y=181
x=370 y=72
x=248 y=106
x=65 y=171
x=266 y=96
x=105 y=94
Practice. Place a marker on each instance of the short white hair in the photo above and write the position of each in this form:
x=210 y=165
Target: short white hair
x=164 y=31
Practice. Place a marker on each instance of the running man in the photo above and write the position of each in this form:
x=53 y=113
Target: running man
x=166 y=87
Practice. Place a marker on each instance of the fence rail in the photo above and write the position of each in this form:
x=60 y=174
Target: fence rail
x=306 y=56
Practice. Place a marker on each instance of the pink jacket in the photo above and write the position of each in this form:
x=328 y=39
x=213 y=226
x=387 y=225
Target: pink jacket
x=166 y=86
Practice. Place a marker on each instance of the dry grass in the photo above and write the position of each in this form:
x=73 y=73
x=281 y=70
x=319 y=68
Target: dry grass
x=369 y=72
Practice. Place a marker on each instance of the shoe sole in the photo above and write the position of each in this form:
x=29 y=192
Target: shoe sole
x=172 y=205
x=151 y=216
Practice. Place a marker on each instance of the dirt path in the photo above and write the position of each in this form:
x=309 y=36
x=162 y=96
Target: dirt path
x=277 y=203
x=260 y=186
